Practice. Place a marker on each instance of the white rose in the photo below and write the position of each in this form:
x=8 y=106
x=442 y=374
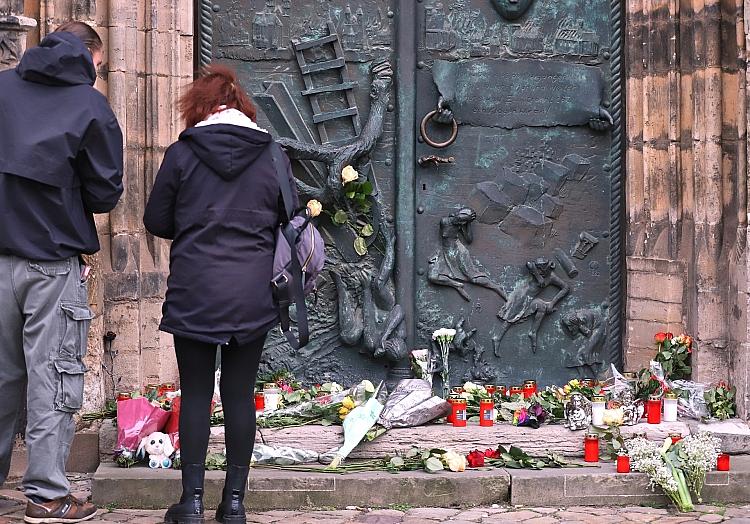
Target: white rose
x=349 y=174
x=315 y=208
x=454 y=461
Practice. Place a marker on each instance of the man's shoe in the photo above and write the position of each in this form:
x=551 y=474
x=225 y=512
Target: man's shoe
x=65 y=510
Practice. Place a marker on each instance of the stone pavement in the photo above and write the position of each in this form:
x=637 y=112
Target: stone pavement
x=11 y=512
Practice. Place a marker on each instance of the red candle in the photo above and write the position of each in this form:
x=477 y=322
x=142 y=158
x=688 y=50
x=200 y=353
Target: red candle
x=676 y=437
x=654 y=410
x=591 y=448
x=623 y=464
x=123 y=396
x=490 y=389
x=458 y=412
x=722 y=463
x=260 y=401
x=516 y=390
x=529 y=388
x=449 y=418
x=503 y=391
x=486 y=413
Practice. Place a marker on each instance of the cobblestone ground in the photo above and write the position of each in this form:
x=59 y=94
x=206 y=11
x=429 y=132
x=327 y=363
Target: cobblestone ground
x=12 y=505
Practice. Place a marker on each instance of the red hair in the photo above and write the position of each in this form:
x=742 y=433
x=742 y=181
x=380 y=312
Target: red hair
x=217 y=85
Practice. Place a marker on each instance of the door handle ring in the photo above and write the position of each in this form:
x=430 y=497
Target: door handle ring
x=437 y=145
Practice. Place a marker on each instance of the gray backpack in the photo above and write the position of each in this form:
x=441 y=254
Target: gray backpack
x=297 y=260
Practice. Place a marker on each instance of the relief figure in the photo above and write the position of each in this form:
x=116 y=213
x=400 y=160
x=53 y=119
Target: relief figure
x=525 y=301
x=511 y=9
x=453 y=265
x=590 y=324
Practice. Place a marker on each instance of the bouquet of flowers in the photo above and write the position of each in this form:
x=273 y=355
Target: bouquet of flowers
x=327 y=409
x=662 y=469
x=721 y=401
x=443 y=337
x=431 y=461
x=673 y=353
x=698 y=454
x=512 y=457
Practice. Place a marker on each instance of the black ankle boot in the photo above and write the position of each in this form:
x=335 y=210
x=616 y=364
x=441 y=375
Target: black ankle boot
x=190 y=508
x=231 y=510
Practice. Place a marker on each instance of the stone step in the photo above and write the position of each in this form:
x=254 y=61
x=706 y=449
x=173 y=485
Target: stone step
x=270 y=489
x=322 y=439
x=603 y=486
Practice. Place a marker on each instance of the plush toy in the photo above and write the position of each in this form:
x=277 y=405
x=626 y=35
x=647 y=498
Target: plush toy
x=159 y=448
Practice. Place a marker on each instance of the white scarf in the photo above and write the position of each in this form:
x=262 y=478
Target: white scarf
x=230 y=116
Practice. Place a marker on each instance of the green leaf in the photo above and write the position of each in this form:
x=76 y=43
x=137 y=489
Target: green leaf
x=360 y=246
x=366 y=188
x=517 y=453
x=437 y=451
x=340 y=217
x=350 y=194
x=366 y=230
x=433 y=465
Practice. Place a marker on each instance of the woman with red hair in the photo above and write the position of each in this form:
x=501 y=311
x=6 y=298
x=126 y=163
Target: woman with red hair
x=217 y=197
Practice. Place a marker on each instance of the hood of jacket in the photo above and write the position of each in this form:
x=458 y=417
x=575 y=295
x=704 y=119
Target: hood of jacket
x=60 y=59
x=227 y=149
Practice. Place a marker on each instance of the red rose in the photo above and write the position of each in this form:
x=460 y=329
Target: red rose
x=491 y=454
x=475 y=459
x=660 y=337
x=670 y=336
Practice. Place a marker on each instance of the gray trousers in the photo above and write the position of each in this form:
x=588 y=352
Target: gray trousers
x=44 y=322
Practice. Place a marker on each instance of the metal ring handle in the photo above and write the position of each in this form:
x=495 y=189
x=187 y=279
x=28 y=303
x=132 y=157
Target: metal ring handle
x=428 y=140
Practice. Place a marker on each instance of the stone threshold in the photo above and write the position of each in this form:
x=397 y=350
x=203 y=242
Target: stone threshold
x=270 y=489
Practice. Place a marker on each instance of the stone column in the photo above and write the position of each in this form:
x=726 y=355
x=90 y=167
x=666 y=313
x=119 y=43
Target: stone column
x=686 y=179
x=13 y=29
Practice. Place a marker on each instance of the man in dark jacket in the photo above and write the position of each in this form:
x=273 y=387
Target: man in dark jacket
x=60 y=162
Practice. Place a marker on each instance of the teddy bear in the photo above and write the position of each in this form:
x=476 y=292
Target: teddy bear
x=159 y=448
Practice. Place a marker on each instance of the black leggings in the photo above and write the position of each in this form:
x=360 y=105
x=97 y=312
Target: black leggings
x=239 y=369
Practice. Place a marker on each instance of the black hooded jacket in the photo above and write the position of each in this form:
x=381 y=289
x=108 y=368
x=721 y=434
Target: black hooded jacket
x=217 y=197
x=60 y=152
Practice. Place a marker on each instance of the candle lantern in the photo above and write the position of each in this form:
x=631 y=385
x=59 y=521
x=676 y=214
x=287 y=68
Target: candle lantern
x=516 y=390
x=457 y=390
x=588 y=382
x=676 y=437
x=670 y=407
x=260 y=401
x=458 y=412
x=491 y=389
x=598 y=405
x=451 y=399
x=722 y=463
x=123 y=395
x=486 y=412
x=503 y=390
x=623 y=463
x=529 y=388
x=271 y=396
x=591 y=448
x=654 y=409
x=151 y=389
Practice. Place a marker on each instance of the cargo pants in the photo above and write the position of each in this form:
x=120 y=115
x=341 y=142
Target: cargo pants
x=44 y=322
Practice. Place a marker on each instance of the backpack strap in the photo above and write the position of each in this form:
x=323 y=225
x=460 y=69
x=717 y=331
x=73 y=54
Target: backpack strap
x=288 y=292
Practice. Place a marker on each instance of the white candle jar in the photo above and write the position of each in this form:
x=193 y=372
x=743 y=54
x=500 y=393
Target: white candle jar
x=670 y=407
x=598 y=405
x=271 y=397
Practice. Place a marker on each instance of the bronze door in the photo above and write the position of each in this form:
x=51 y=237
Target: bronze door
x=485 y=135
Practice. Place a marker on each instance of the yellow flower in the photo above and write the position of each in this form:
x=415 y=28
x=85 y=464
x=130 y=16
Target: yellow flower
x=567 y=388
x=315 y=208
x=342 y=417
x=349 y=174
x=343 y=411
x=454 y=461
x=574 y=383
x=348 y=403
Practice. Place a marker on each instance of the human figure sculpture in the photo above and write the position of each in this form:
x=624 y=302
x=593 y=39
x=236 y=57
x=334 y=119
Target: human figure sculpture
x=453 y=265
x=380 y=321
x=590 y=325
x=577 y=412
x=525 y=301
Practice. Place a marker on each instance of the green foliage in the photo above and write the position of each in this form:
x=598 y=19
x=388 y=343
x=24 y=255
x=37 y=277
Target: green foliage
x=674 y=356
x=721 y=401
